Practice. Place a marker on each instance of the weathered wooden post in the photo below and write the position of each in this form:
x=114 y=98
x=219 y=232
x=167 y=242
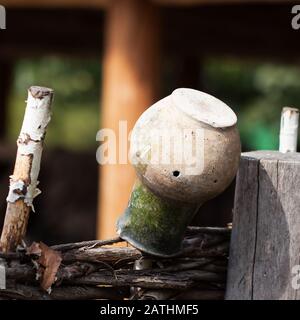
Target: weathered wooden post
x=265 y=242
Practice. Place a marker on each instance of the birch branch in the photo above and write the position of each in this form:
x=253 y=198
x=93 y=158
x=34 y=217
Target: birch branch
x=23 y=183
x=288 y=130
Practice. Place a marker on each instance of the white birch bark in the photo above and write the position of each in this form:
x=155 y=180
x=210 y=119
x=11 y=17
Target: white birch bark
x=289 y=130
x=23 y=183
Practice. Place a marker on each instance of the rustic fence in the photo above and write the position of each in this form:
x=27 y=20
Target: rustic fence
x=101 y=270
x=264 y=242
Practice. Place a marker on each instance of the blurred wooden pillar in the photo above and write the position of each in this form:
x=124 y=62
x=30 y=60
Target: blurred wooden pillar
x=130 y=77
x=5 y=82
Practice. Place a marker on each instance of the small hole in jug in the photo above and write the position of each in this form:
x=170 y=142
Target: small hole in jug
x=176 y=173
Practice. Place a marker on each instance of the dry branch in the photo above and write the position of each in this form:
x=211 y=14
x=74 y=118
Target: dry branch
x=23 y=182
x=91 y=244
x=93 y=270
x=26 y=292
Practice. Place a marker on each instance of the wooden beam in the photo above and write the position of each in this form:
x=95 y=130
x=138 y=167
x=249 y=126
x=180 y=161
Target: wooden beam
x=130 y=78
x=78 y=32
x=105 y=3
x=186 y=3
x=55 y=4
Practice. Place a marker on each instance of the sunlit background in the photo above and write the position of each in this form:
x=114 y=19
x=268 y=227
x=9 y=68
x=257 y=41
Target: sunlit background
x=245 y=69
x=256 y=91
x=76 y=116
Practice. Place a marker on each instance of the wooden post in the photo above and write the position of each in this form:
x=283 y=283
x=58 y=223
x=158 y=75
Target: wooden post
x=23 y=182
x=130 y=77
x=265 y=242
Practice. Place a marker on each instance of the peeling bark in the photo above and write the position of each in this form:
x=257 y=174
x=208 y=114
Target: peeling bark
x=23 y=183
x=289 y=130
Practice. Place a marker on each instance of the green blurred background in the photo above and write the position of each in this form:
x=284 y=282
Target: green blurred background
x=256 y=91
x=76 y=83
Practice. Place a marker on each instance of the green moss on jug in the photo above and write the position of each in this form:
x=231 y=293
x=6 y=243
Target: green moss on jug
x=152 y=224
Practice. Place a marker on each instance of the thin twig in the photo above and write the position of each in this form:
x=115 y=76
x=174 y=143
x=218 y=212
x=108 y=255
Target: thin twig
x=90 y=244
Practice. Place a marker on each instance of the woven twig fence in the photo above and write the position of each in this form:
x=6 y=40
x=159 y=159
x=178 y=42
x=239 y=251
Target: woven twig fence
x=103 y=270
